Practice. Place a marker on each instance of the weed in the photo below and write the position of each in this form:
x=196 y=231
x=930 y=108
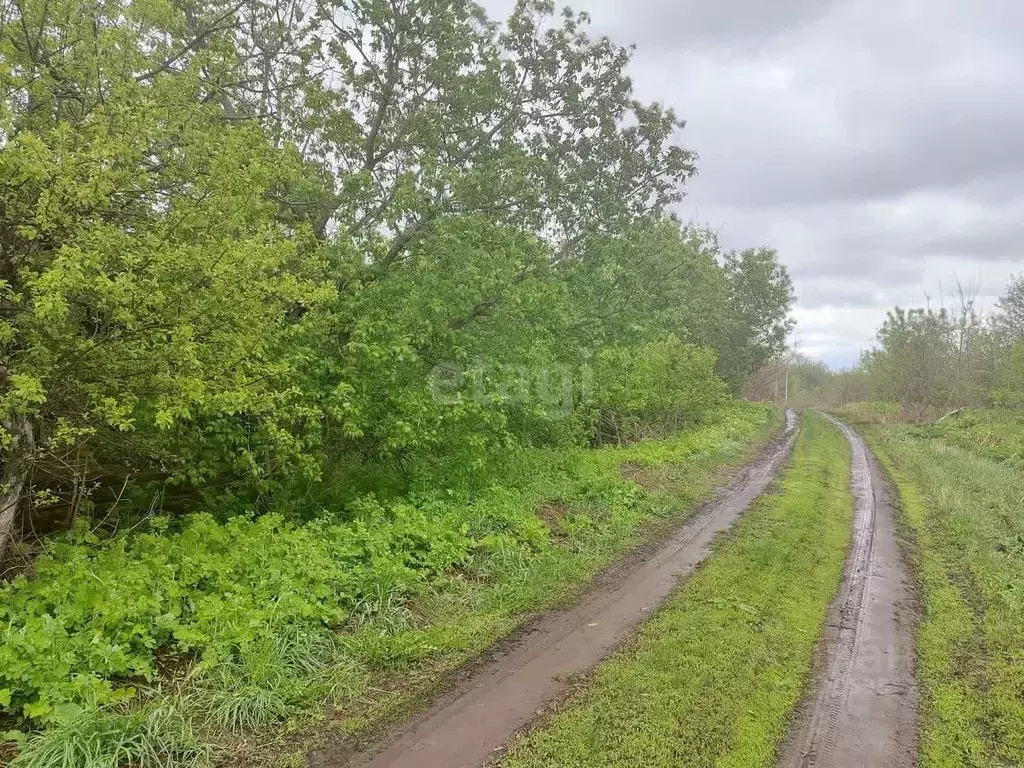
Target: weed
x=272 y=679
x=283 y=618
x=153 y=736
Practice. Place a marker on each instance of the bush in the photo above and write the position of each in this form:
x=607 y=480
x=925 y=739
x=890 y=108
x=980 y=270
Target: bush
x=1011 y=381
x=654 y=389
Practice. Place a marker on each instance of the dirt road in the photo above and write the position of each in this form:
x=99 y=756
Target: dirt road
x=467 y=724
x=862 y=709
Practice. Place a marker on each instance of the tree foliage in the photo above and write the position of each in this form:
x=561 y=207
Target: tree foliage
x=281 y=279
x=1010 y=390
x=1008 y=320
x=914 y=359
x=239 y=239
x=646 y=391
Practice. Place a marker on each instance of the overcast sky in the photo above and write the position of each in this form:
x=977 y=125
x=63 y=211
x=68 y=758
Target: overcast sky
x=877 y=144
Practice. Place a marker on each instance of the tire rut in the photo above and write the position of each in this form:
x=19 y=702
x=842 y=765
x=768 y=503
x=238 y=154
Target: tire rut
x=470 y=723
x=863 y=706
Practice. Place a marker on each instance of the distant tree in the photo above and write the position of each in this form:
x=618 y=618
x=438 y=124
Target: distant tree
x=850 y=386
x=1010 y=392
x=1008 y=320
x=913 y=365
x=806 y=382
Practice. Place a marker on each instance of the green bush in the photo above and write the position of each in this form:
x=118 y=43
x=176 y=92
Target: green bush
x=90 y=623
x=654 y=389
x=1011 y=380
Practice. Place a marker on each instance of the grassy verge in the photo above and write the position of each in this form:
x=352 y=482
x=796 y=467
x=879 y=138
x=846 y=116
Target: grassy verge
x=264 y=652
x=962 y=500
x=711 y=680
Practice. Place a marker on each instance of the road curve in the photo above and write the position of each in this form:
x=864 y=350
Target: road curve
x=863 y=706
x=472 y=720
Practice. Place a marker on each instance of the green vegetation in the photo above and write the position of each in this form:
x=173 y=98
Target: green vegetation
x=961 y=485
x=927 y=363
x=712 y=679
x=255 y=622
x=258 y=256
x=324 y=328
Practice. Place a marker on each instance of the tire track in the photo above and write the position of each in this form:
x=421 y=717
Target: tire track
x=863 y=706
x=467 y=724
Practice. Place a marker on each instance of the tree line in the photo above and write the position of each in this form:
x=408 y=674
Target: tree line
x=246 y=243
x=929 y=361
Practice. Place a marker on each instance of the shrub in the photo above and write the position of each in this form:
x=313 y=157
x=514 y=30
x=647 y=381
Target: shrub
x=654 y=389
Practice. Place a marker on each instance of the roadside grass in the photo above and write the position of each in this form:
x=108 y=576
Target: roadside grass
x=155 y=736
x=607 y=516
x=961 y=487
x=996 y=434
x=713 y=677
x=296 y=681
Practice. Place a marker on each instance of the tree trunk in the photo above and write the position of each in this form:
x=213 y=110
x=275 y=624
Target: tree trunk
x=15 y=473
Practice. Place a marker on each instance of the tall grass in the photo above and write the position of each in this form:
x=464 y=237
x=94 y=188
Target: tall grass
x=962 y=500
x=154 y=736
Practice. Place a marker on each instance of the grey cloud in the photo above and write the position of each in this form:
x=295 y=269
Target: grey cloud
x=877 y=144
x=766 y=144
x=698 y=23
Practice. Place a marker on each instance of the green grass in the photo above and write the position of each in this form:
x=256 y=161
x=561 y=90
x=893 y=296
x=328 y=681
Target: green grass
x=996 y=434
x=962 y=504
x=263 y=700
x=157 y=736
x=711 y=680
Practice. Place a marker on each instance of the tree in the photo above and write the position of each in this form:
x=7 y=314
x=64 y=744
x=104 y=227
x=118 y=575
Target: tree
x=239 y=237
x=760 y=299
x=651 y=390
x=654 y=278
x=148 y=286
x=1008 y=320
x=1010 y=392
x=917 y=354
x=414 y=110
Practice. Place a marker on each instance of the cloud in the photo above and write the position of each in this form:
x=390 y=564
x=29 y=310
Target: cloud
x=687 y=23
x=877 y=144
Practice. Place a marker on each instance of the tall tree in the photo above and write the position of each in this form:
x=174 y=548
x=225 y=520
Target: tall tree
x=239 y=236
x=913 y=364
x=761 y=297
x=147 y=283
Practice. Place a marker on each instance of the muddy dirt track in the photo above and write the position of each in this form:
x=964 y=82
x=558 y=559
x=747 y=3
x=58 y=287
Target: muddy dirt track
x=862 y=708
x=468 y=723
